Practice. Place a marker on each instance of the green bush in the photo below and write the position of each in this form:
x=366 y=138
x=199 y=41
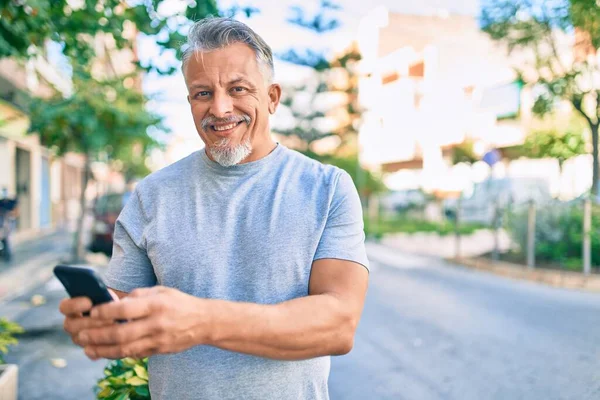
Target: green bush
x=8 y=330
x=558 y=234
x=125 y=379
x=401 y=224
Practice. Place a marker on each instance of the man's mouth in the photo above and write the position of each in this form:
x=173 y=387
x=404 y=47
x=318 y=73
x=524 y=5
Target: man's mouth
x=224 y=128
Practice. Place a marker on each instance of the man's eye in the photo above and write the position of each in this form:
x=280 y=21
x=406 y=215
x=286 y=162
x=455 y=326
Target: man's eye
x=238 y=89
x=203 y=93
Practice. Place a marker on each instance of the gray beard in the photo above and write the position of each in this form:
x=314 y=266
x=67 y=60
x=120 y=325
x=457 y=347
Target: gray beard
x=228 y=156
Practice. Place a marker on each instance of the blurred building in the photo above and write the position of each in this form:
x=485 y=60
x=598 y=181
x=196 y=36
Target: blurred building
x=43 y=183
x=47 y=186
x=431 y=84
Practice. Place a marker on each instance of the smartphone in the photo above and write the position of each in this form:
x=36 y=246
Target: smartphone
x=83 y=282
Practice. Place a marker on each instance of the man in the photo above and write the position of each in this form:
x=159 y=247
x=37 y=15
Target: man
x=8 y=212
x=257 y=251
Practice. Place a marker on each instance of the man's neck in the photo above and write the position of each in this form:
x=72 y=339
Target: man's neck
x=260 y=151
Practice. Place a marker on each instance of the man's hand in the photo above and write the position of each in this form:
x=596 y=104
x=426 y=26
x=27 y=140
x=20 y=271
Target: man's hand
x=161 y=320
x=75 y=322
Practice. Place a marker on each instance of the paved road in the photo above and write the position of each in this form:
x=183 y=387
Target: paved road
x=430 y=331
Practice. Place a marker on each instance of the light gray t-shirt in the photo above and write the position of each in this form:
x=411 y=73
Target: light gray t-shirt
x=245 y=233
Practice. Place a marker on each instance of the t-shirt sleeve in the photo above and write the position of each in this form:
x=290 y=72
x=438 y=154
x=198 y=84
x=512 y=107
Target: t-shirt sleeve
x=129 y=267
x=344 y=237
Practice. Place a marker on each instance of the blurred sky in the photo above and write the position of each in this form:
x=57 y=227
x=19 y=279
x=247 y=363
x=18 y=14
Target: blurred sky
x=271 y=24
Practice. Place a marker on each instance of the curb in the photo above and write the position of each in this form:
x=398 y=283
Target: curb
x=27 y=276
x=560 y=279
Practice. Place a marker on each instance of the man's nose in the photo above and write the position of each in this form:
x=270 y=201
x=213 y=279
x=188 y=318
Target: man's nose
x=222 y=105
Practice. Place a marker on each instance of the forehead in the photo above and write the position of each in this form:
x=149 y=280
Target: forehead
x=236 y=60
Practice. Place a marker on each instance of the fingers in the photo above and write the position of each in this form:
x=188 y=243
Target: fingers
x=74 y=325
x=117 y=333
x=139 y=304
x=75 y=307
x=137 y=349
x=126 y=309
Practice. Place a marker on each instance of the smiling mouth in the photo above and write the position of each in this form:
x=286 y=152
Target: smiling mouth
x=223 y=128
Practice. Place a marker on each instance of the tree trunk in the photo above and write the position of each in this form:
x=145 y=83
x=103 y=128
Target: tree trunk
x=596 y=154
x=79 y=244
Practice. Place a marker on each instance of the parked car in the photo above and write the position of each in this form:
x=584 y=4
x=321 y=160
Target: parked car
x=106 y=210
x=481 y=205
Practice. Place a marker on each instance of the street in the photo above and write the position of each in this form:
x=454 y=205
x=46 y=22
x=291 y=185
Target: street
x=428 y=331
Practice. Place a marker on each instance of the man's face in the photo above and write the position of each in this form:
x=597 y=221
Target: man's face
x=230 y=101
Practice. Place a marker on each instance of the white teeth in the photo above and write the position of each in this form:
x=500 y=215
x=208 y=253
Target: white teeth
x=224 y=128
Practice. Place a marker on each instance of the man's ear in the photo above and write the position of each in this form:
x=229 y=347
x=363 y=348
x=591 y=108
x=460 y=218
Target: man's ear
x=188 y=99
x=274 y=97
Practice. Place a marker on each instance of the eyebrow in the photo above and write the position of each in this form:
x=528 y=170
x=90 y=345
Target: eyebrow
x=232 y=82
x=240 y=80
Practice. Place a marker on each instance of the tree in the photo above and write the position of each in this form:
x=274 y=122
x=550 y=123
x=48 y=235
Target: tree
x=103 y=116
x=333 y=75
x=552 y=144
x=464 y=153
x=26 y=26
x=534 y=28
x=87 y=123
x=307 y=118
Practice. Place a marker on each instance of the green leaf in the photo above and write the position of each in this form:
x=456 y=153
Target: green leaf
x=128 y=362
x=104 y=393
x=136 y=381
x=116 y=381
x=142 y=391
x=123 y=396
x=126 y=375
x=141 y=371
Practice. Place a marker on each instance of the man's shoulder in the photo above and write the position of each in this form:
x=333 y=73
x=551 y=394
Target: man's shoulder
x=312 y=169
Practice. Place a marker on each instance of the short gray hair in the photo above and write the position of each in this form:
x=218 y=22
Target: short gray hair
x=215 y=33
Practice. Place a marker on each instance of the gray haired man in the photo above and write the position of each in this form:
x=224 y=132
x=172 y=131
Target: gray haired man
x=242 y=268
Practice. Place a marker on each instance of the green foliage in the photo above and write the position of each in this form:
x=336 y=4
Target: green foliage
x=8 y=330
x=125 y=379
x=559 y=233
x=321 y=22
x=347 y=114
x=464 y=153
x=532 y=27
x=367 y=182
x=403 y=224
x=552 y=144
x=586 y=15
x=100 y=117
x=32 y=22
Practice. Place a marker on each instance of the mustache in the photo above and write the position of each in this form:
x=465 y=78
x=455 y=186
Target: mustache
x=209 y=121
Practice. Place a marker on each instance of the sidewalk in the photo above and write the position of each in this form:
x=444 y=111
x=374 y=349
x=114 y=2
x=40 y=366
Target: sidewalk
x=32 y=263
x=386 y=252
x=50 y=365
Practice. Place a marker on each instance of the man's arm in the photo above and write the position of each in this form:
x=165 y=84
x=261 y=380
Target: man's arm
x=320 y=324
x=164 y=320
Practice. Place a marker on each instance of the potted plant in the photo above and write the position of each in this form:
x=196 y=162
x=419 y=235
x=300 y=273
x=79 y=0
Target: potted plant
x=9 y=373
x=125 y=379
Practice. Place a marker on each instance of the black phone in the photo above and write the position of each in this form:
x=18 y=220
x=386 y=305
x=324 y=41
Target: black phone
x=83 y=281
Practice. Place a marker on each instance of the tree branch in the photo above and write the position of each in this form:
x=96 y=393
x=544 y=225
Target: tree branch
x=577 y=103
x=550 y=40
x=598 y=106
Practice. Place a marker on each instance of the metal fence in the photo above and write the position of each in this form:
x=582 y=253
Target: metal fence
x=562 y=235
